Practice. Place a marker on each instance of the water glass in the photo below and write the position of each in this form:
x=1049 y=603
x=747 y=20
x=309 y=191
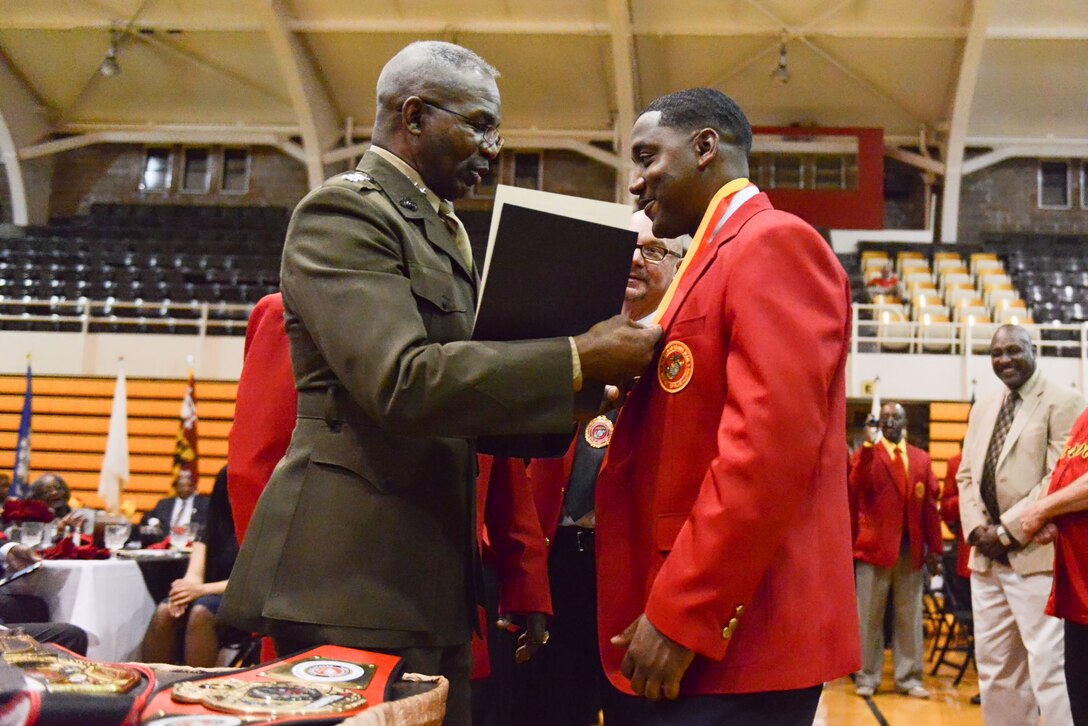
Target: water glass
x=180 y=534
x=115 y=535
x=30 y=533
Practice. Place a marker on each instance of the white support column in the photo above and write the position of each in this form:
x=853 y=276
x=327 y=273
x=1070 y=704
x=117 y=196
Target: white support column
x=623 y=70
x=19 y=125
x=961 y=115
x=316 y=113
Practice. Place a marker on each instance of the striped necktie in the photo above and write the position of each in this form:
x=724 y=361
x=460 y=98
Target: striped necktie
x=988 y=486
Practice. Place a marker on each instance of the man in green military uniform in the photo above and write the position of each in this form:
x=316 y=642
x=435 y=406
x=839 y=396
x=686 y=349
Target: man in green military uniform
x=364 y=536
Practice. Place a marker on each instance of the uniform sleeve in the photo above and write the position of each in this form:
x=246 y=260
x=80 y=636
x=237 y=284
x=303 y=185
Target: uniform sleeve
x=345 y=276
x=751 y=493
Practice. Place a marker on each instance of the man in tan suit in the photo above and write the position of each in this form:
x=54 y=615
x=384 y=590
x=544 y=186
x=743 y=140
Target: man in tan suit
x=1014 y=439
x=364 y=536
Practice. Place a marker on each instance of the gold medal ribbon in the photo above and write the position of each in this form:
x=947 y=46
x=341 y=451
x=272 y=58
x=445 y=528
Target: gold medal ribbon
x=714 y=211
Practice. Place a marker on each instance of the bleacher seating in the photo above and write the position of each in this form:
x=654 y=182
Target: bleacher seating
x=1020 y=279
x=137 y=259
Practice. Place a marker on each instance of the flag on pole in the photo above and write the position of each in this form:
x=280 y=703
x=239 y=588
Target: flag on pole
x=114 y=474
x=185 y=448
x=20 y=487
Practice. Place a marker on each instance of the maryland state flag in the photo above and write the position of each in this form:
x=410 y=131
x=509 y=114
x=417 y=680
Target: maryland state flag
x=185 y=451
x=20 y=487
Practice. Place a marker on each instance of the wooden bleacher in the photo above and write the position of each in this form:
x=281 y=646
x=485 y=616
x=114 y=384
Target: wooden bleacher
x=947 y=426
x=71 y=418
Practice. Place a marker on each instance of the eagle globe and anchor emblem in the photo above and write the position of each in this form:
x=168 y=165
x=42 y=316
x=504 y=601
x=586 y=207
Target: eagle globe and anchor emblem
x=675 y=367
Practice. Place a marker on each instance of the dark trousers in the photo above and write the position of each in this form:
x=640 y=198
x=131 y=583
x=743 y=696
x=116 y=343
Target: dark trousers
x=781 y=708
x=1076 y=670
x=562 y=683
x=453 y=662
x=493 y=701
x=22 y=609
x=63 y=634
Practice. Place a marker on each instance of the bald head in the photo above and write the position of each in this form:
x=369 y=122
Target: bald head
x=1012 y=355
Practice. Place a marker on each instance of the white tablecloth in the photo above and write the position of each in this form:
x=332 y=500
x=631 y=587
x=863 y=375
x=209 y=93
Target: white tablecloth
x=107 y=598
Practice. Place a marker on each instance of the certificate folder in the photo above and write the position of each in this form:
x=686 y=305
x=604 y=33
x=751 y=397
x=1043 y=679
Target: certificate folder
x=555 y=266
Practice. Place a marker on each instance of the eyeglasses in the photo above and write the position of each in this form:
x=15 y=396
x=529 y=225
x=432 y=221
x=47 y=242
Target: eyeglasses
x=488 y=133
x=656 y=253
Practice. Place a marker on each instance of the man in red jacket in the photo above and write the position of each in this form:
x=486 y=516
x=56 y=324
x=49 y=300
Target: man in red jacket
x=564 y=493
x=895 y=493
x=723 y=531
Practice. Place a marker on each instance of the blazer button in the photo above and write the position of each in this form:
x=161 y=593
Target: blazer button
x=740 y=610
x=733 y=624
x=726 y=632
x=547 y=541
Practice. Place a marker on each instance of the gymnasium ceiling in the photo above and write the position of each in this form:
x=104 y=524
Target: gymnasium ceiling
x=301 y=73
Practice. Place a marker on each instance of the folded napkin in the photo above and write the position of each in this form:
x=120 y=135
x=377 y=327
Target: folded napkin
x=66 y=550
x=26 y=510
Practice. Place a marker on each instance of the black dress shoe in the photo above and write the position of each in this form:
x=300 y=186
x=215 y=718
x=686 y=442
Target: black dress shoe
x=976 y=699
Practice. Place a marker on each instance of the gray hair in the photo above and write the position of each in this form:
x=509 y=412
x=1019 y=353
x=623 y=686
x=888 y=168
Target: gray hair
x=421 y=63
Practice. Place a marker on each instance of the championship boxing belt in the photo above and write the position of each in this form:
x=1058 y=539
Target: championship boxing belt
x=322 y=685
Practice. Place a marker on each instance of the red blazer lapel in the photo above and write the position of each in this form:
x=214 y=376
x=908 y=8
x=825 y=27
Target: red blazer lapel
x=732 y=227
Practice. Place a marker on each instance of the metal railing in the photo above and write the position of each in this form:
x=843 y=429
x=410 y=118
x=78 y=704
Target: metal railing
x=123 y=316
x=889 y=329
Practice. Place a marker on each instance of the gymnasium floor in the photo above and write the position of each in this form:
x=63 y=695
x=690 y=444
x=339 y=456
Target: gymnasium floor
x=947 y=705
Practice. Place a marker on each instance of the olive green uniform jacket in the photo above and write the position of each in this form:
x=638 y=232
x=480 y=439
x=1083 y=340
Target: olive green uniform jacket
x=364 y=535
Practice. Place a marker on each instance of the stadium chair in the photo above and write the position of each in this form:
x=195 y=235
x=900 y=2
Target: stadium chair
x=936 y=333
x=893 y=329
x=956 y=296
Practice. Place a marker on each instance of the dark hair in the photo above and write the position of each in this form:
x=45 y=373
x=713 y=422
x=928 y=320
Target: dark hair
x=219 y=533
x=700 y=108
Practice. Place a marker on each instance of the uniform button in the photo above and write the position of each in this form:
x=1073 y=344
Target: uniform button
x=726 y=632
x=547 y=542
x=740 y=610
x=733 y=624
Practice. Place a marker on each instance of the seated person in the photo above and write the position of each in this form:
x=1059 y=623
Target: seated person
x=187 y=507
x=183 y=630
x=29 y=613
x=53 y=491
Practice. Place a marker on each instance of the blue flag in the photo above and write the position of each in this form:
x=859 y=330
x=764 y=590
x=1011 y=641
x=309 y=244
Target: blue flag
x=20 y=488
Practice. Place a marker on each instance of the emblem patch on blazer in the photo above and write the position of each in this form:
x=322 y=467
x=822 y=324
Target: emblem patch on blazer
x=675 y=367
x=599 y=432
x=920 y=490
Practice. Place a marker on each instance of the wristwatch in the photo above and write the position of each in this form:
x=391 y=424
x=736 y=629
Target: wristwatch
x=1003 y=535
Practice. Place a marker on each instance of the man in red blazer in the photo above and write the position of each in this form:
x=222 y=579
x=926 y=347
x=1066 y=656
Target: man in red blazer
x=950 y=515
x=564 y=493
x=894 y=491
x=724 y=573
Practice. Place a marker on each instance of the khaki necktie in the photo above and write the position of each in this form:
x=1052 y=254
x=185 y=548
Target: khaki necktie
x=988 y=486
x=458 y=229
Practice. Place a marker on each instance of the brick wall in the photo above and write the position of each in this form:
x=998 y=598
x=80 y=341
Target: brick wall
x=1004 y=198
x=111 y=173
x=904 y=202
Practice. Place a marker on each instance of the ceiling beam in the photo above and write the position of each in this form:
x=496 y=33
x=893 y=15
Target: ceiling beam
x=317 y=117
x=623 y=79
x=910 y=158
x=1015 y=151
x=151 y=136
x=19 y=124
x=970 y=62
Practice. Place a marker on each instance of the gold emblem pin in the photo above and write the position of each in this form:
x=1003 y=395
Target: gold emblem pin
x=599 y=432
x=675 y=367
x=920 y=490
